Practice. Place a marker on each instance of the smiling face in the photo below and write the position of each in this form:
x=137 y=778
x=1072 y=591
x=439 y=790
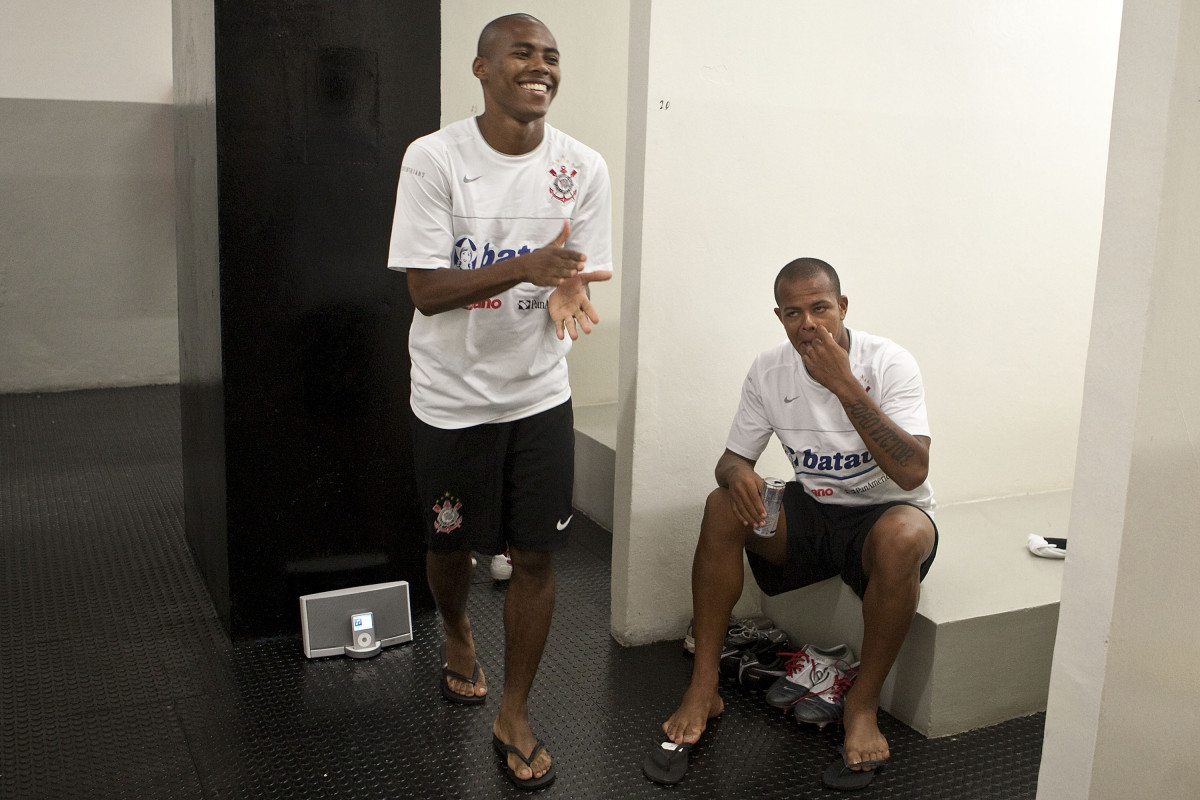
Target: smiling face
x=806 y=303
x=518 y=68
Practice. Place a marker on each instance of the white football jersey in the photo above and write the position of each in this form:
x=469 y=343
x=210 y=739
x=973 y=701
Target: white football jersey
x=462 y=205
x=830 y=459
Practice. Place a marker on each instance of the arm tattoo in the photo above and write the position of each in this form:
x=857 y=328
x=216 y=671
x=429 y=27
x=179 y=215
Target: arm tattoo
x=880 y=429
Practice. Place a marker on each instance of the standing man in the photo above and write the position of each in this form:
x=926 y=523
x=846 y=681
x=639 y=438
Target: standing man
x=849 y=409
x=501 y=223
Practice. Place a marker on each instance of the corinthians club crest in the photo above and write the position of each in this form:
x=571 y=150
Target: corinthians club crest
x=563 y=186
x=447 y=518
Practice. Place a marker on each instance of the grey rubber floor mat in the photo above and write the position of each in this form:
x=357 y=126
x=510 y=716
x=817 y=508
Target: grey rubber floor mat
x=116 y=679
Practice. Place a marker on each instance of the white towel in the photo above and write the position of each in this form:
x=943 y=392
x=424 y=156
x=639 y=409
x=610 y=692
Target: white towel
x=1040 y=547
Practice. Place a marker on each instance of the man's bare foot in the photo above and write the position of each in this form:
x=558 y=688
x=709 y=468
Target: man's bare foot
x=864 y=741
x=691 y=718
x=460 y=657
x=518 y=734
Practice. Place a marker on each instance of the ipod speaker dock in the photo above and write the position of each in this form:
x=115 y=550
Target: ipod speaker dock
x=357 y=622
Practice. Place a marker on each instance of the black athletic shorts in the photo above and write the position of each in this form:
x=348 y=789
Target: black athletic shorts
x=823 y=540
x=489 y=487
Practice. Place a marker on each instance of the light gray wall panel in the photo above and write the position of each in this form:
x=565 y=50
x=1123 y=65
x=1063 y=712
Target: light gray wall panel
x=87 y=245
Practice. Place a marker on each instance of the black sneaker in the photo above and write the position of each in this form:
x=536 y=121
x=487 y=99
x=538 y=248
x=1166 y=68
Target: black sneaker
x=761 y=651
x=728 y=666
x=757 y=672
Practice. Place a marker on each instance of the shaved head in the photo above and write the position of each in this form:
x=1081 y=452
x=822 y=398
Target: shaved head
x=803 y=269
x=487 y=37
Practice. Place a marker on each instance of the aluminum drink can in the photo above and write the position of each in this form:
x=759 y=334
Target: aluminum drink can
x=772 y=496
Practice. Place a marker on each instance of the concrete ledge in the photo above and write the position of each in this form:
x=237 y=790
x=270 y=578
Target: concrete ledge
x=595 y=461
x=980 y=646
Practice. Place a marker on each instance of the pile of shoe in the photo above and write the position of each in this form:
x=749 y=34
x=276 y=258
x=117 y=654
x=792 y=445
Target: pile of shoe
x=810 y=684
x=751 y=645
x=813 y=683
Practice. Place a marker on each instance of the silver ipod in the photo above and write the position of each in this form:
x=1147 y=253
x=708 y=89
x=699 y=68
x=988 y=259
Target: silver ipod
x=362 y=634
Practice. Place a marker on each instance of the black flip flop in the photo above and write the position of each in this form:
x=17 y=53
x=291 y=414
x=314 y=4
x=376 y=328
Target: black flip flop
x=450 y=694
x=839 y=775
x=503 y=750
x=667 y=763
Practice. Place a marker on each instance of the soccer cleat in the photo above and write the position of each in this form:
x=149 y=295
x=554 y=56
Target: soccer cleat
x=826 y=706
x=501 y=566
x=809 y=670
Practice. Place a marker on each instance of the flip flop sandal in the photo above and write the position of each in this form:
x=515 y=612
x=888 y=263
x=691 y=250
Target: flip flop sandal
x=450 y=694
x=839 y=775
x=503 y=750
x=667 y=763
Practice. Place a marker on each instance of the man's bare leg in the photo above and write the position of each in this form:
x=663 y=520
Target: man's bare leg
x=717 y=577
x=449 y=577
x=896 y=547
x=527 y=613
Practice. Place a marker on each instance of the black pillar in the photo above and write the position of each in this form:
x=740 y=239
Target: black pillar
x=292 y=120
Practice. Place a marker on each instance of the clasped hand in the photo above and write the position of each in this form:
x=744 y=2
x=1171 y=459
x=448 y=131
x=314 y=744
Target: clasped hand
x=571 y=308
x=553 y=264
x=569 y=304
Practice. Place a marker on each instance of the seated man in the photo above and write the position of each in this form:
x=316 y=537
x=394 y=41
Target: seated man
x=849 y=410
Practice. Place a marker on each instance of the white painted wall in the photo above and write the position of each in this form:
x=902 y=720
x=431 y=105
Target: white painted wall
x=1125 y=687
x=116 y=50
x=948 y=158
x=590 y=106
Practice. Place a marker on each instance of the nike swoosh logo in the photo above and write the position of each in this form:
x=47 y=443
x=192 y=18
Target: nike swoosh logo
x=789 y=399
x=562 y=523
x=471 y=180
